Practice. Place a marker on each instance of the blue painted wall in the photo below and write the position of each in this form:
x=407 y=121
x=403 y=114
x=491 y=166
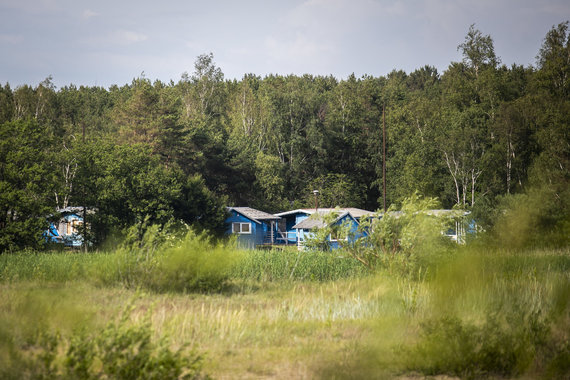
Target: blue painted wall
x=244 y=240
x=345 y=219
x=290 y=221
x=52 y=235
x=258 y=230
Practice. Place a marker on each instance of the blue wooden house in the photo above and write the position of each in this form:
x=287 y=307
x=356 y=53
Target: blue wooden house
x=252 y=227
x=306 y=228
x=68 y=229
x=289 y=231
x=460 y=225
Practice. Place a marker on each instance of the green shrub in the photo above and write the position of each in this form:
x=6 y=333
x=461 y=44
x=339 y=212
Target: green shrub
x=196 y=264
x=124 y=351
x=121 y=350
x=193 y=263
x=505 y=348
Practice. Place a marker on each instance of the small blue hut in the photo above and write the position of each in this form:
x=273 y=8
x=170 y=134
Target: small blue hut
x=252 y=227
x=306 y=228
x=288 y=232
x=68 y=229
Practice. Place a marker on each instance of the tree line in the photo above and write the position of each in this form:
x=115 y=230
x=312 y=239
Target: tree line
x=154 y=152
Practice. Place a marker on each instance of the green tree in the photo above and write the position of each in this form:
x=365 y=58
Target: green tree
x=6 y=104
x=335 y=190
x=554 y=61
x=26 y=184
x=270 y=178
x=478 y=50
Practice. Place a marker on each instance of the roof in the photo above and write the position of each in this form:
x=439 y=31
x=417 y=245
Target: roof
x=450 y=213
x=316 y=220
x=76 y=210
x=355 y=212
x=254 y=214
x=297 y=211
x=438 y=213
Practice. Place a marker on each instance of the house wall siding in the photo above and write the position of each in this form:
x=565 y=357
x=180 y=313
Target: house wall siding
x=245 y=240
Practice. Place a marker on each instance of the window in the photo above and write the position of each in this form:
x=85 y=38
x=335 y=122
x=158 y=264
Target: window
x=241 y=228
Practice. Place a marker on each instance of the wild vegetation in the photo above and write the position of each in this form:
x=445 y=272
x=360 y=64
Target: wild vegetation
x=197 y=308
x=158 y=295
x=478 y=314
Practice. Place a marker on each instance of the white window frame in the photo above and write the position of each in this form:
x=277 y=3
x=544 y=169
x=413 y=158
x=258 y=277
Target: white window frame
x=241 y=232
x=337 y=240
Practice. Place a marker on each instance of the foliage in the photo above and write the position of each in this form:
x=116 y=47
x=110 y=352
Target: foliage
x=161 y=262
x=26 y=183
x=335 y=190
x=539 y=217
x=122 y=350
x=126 y=351
x=499 y=348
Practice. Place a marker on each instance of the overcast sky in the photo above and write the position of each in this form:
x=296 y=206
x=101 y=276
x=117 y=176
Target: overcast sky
x=108 y=42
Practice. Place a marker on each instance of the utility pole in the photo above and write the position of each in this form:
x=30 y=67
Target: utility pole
x=84 y=207
x=384 y=157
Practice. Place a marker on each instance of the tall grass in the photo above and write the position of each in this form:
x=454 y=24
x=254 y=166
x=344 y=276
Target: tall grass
x=49 y=266
x=193 y=263
x=295 y=265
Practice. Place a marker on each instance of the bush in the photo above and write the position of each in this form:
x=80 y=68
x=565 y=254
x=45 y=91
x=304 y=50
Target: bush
x=120 y=351
x=450 y=346
x=196 y=264
x=163 y=263
x=123 y=351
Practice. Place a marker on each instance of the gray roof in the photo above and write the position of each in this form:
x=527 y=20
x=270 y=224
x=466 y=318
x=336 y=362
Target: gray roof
x=449 y=213
x=316 y=219
x=438 y=213
x=355 y=212
x=254 y=214
x=76 y=209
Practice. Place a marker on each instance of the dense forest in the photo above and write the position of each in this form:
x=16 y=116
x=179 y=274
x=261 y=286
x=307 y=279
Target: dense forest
x=152 y=152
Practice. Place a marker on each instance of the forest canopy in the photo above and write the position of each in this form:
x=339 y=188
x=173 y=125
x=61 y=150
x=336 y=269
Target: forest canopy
x=154 y=152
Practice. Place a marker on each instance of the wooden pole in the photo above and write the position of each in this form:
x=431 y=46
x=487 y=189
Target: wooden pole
x=384 y=157
x=84 y=207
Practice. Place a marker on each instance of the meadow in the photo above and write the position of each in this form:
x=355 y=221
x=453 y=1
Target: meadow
x=200 y=309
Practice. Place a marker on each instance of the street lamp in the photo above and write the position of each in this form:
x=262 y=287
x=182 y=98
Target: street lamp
x=316 y=192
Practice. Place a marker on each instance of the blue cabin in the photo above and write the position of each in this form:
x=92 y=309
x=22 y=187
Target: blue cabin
x=305 y=229
x=459 y=223
x=68 y=229
x=252 y=227
x=287 y=232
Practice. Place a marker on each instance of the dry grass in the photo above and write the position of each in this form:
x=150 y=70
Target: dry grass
x=281 y=331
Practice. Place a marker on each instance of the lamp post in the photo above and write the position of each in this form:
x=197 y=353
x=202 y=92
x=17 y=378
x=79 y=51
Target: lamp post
x=316 y=192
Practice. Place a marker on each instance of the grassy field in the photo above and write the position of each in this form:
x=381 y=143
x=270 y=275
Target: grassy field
x=476 y=313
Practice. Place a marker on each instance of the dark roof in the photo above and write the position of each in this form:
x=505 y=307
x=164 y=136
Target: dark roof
x=254 y=214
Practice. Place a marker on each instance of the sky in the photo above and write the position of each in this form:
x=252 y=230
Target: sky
x=106 y=42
